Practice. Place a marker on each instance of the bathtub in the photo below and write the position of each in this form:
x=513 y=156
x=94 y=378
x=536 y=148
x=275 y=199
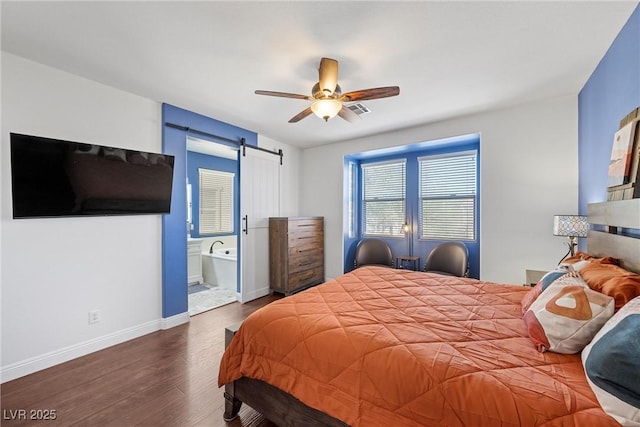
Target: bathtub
x=220 y=267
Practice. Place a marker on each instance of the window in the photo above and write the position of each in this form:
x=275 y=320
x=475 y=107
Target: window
x=216 y=201
x=383 y=189
x=448 y=196
x=351 y=194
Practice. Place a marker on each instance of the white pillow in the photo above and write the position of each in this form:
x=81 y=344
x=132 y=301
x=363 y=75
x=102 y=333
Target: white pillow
x=565 y=317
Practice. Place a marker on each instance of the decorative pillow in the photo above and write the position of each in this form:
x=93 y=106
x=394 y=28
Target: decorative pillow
x=618 y=283
x=612 y=363
x=577 y=266
x=530 y=297
x=552 y=276
x=596 y=274
x=565 y=318
x=622 y=289
x=567 y=278
x=583 y=256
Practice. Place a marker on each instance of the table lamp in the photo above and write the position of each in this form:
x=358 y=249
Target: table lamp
x=571 y=226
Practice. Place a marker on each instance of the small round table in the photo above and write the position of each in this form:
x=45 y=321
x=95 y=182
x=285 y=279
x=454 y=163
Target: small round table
x=403 y=260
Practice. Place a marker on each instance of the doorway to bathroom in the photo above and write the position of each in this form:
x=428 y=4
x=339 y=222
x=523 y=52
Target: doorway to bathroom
x=259 y=182
x=212 y=224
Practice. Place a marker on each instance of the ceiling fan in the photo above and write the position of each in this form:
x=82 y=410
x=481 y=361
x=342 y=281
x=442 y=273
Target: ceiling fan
x=327 y=95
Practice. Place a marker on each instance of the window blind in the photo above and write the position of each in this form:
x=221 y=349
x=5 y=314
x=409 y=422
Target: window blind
x=351 y=210
x=448 y=196
x=384 y=198
x=216 y=201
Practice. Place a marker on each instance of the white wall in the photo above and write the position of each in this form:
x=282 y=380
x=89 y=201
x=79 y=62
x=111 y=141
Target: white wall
x=528 y=173
x=54 y=271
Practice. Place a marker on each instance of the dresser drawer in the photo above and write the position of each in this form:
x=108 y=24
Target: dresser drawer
x=312 y=276
x=305 y=247
x=316 y=239
x=305 y=224
x=302 y=243
x=304 y=228
x=299 y=263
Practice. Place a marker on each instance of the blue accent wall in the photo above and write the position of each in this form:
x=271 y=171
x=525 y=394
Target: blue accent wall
x=612 y=92
x=196 y=161
x=174 y=225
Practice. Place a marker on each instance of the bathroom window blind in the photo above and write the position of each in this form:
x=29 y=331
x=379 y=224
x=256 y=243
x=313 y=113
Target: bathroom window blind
x=216 y=201
x=448 y=200
x=383 y=189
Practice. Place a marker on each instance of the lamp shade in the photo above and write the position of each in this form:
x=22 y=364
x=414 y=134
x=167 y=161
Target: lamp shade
x=326 y=108
x=570 y=225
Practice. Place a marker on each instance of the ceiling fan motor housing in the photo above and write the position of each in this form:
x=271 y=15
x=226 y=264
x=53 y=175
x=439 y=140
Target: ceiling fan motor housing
x=318 y=93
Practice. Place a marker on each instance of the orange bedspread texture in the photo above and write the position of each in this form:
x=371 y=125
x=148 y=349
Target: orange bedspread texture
x=385 y=347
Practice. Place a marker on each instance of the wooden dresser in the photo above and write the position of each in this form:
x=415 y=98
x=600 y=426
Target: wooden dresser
x=296 y=253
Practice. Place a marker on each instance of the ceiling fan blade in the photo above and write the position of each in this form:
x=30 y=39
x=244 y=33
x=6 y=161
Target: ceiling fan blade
x=349 y=115
x=282 y=94
x=328 y=75
x=375 y=93
x=301 y=115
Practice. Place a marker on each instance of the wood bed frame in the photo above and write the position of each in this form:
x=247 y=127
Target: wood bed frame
x=616 y=233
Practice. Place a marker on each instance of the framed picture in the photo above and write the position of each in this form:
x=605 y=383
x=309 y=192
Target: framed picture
x=621 y=154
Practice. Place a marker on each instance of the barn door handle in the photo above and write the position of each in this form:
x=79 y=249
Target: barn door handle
x=245 y=220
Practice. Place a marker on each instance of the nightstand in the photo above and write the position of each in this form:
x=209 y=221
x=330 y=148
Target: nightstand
x=403 y=260
x=532 y=277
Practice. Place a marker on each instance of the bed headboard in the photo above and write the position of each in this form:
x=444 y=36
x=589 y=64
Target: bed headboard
x=610 y=236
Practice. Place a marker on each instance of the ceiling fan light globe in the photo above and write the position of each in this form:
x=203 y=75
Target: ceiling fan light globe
x=326 y=108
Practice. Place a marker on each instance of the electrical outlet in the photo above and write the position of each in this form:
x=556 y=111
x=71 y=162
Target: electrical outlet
x=94 y=316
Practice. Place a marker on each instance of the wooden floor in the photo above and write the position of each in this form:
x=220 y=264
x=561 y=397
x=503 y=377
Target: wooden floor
x=167 y=378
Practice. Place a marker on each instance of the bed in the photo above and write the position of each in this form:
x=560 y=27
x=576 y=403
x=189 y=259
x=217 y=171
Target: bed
x=379 y=346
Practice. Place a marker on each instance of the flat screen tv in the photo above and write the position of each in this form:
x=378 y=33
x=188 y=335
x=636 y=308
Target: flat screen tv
x=52 y=178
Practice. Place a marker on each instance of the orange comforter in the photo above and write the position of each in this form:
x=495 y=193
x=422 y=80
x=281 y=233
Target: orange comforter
x=385 y=347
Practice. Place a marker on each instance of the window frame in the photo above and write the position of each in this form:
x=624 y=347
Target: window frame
x=364 y=202
x=352 y=199
x=463 y=194
x=225 y=221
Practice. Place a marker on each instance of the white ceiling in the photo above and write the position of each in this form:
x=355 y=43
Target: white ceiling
x=449 y=58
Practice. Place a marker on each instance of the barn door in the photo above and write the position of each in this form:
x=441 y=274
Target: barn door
x=259 y=200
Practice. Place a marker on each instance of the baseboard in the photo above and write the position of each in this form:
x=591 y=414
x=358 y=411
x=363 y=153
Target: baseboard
x=255 y=294
x=47 y=360
x=176 y=320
